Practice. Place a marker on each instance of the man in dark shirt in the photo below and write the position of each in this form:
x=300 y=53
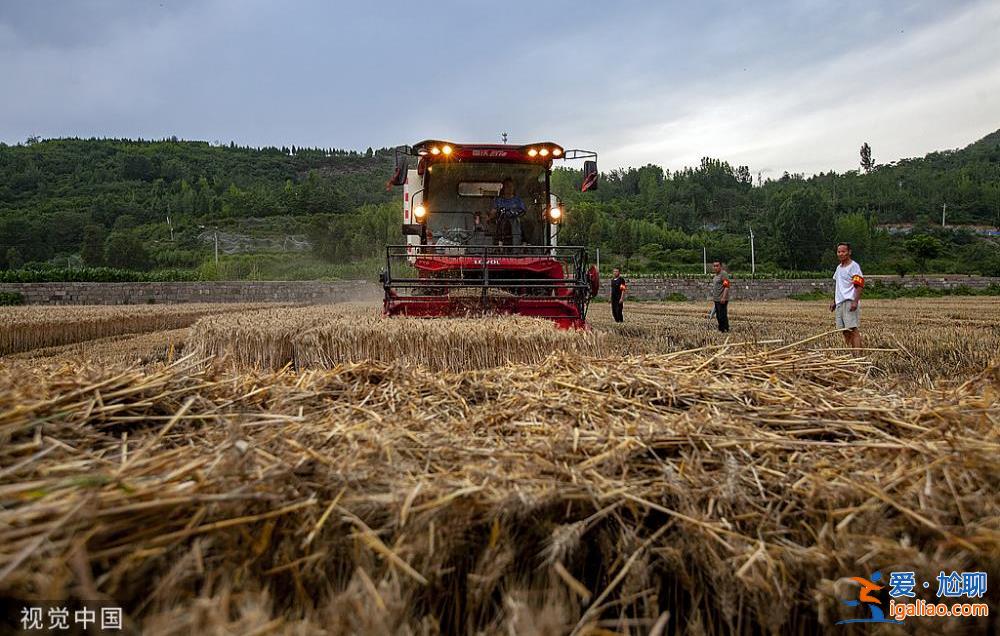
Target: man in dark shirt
x=618 y=289
x=509 y=208
x=720 y=294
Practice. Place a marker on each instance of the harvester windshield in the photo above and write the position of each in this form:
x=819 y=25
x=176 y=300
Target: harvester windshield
x=460 y=194
x=482 y=234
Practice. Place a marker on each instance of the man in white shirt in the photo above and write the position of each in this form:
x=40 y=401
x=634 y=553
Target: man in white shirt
x=848 y=283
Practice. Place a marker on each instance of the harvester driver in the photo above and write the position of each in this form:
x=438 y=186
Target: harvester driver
x=509 y=208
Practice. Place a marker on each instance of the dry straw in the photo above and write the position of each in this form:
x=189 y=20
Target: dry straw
x=910 y=341
x=323 y=337
x=725 y=490
x=28 y=328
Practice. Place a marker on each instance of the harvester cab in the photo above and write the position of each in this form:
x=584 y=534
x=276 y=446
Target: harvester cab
x=482 y=234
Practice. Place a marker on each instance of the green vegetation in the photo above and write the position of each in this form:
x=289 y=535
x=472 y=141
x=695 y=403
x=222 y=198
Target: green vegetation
x=158 y=209
x=147 y=205
x=651 y=220
x=689 y=271
x=270 y=266
x=94 y=275
x=11 y=298
x=896 y=290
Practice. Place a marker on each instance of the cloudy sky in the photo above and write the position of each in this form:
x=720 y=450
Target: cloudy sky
x=794 y=86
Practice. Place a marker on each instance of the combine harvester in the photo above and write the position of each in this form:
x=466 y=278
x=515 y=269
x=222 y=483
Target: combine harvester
x=469 y=252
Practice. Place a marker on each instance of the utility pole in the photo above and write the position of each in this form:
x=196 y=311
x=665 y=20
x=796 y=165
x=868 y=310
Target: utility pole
x=944 y=208
x=704 y=259
x=753 y=262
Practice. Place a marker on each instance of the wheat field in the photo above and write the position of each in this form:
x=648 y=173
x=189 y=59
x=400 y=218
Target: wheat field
x=927 y=340
x=318 y=470
x=29 y=328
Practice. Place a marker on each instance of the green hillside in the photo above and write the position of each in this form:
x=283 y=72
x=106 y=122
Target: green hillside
x=665 y=218
x=309 y=212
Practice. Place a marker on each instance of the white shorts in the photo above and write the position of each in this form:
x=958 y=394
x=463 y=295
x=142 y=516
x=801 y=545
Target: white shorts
x=847 y=319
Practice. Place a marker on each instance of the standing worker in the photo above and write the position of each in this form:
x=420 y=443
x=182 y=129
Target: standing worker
x=720 y=294
x=848 y=283
x=618 y=289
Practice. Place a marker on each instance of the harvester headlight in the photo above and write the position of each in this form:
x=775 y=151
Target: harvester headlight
x=555 y=214
x=419 y=212
x=544 y=152
x=446 y=149
x=532 y=152
x=435 y=150
x=556 y=152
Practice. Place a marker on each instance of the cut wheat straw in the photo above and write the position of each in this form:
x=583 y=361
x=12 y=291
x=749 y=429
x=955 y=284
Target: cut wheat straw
x=32 y=327
x=724 y=490
x=322 y=337
x=913 y=340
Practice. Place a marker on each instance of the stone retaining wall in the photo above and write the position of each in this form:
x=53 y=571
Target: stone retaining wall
x=340 y=291
x=772 y=288
x=193 y=292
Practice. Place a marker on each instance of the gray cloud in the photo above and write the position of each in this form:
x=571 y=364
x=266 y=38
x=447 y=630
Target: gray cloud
x=795 y=86
x=924 y=90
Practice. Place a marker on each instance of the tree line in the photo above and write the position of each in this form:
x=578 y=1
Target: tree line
x=149 y=204
x=662 y=220
x=141 y=204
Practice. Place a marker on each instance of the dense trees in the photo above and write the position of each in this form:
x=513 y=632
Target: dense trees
x=106 y=202
x=92 y=246
x=796 y=218
x=866 y=158
x=72 y=196
x=351 y=236
x=125 y=250
x=806 y=222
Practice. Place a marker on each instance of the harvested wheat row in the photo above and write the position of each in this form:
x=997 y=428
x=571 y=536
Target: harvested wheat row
x=443 y=344
x=263 y=339
x=31 y=327
x=323 y=337
x=166 y=345
x=585 y=495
